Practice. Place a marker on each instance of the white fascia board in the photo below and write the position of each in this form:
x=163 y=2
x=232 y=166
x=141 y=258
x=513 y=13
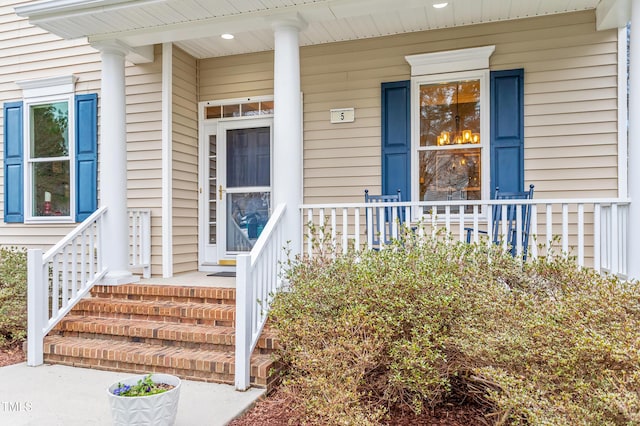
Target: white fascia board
x=612 y=14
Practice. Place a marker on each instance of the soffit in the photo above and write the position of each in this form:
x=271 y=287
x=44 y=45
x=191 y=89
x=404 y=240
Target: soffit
x=196 y=25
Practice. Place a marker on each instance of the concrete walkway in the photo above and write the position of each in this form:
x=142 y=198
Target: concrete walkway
x=52 y=395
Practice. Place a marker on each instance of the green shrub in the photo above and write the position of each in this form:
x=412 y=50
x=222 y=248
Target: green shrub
x=415 y=324
x=13 y=295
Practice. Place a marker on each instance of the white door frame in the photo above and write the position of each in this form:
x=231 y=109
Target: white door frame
x=207 y=254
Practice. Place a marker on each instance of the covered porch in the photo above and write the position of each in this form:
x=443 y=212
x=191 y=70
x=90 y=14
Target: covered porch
x=200 y=69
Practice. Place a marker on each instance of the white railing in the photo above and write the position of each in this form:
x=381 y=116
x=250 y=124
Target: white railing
x=61 y=277
x=140 y=240
x=592 y=230
x=258 y=277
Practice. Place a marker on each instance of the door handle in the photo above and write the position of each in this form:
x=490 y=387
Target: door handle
x=220 y=192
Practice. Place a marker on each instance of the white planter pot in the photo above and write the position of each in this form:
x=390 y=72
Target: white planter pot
x=156 y=410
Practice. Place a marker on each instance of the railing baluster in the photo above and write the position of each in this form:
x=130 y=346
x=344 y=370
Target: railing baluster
x=334 y=236
x=55 y=285
x=580 y=234
x=565 y=229
x=597 y=241
x=475 y=224
x=370 y=227
x=549 y=223
x=519 y=231
x=533 y=232
x=461 y=222
x=65 y=277
x=357 y=228
x=615 y=231
x=505 y=231
x=310 y=232
x=345 y=230
x=74 y=268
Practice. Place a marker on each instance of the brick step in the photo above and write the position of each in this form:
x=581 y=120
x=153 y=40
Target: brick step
x=159 y=333
x=209 y=295
x=190 y=364
x=158 y=310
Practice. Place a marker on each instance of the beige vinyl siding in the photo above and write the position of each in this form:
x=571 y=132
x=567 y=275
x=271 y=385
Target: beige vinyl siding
x=234 y=77
x=185 y=162
x=26 y=53
x=570 y=103
x=144 y=147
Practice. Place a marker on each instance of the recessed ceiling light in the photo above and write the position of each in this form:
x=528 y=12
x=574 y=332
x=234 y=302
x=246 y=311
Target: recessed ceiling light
x=440 y=5
x=227 y=36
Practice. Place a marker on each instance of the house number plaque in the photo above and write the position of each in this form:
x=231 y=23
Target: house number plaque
x=343 y=115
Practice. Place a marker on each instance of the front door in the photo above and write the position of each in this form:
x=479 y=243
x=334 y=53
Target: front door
x=235 y=177
x=243 y=184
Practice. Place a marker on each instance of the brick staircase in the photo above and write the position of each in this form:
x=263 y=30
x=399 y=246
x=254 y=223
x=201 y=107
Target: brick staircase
x=185 y=331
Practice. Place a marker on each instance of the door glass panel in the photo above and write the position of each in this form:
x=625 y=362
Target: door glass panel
x=248 y=159
x=247 y=215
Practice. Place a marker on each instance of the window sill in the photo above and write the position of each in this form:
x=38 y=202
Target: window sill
x=49 y=220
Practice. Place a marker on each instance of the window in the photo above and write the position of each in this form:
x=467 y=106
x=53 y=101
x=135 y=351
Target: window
x=49 y=192
x=50 y=150
x=450 y=143
x=450 y=125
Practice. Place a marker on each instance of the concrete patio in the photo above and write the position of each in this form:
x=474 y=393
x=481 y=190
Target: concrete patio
x=56 y=395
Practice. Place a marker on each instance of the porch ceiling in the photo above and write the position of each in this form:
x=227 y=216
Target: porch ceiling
x=196 y=25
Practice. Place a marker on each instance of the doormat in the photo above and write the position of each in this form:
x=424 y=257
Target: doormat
x=222 y=274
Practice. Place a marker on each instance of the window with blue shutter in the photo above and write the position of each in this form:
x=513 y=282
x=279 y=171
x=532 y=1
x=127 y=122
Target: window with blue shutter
x=86 y=155
x=507 y=130
x=37 y=148
x=13 y=163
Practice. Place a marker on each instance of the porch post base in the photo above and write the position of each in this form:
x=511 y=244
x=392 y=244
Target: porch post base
x=119 y=278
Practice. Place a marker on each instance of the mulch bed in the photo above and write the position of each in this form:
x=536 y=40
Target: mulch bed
x=12 y=355
x=275 y=410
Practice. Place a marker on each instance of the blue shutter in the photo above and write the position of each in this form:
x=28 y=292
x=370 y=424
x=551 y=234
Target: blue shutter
x=13 y=163
x=86 y=155
x=396 y=139
x=507 y=130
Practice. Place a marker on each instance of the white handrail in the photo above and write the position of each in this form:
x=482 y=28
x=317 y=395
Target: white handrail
x=592 y=229
x=258 y=277
x=58 y=279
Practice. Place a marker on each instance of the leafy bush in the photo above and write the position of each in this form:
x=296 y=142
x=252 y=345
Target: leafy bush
x=415 y=324
x=13 y=295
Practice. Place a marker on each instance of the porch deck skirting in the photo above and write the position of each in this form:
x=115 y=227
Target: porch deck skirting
x=592 y=230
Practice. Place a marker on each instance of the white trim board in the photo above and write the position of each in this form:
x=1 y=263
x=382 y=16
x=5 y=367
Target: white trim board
x=167 y=160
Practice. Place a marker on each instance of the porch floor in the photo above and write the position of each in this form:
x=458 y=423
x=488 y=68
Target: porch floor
x=192 y=279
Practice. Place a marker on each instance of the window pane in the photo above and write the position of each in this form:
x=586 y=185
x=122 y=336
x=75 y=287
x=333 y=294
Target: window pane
x=450 y=175
x=49 y=130
x=450 y=113
x=248 y=157
x=51 y=188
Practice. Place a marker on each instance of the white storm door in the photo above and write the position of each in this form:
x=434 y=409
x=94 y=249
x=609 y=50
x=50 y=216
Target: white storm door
x=244 y=184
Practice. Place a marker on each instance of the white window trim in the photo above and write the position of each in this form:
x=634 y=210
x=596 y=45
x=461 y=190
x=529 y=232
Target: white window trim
x=452 y=65
x=28 y=184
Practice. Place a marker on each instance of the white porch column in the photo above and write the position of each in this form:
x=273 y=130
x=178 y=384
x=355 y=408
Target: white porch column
x=113 y=165
x=287 y=124
x=633 y=151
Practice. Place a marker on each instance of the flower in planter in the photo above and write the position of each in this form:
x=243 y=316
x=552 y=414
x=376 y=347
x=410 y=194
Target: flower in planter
x=144 y=387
